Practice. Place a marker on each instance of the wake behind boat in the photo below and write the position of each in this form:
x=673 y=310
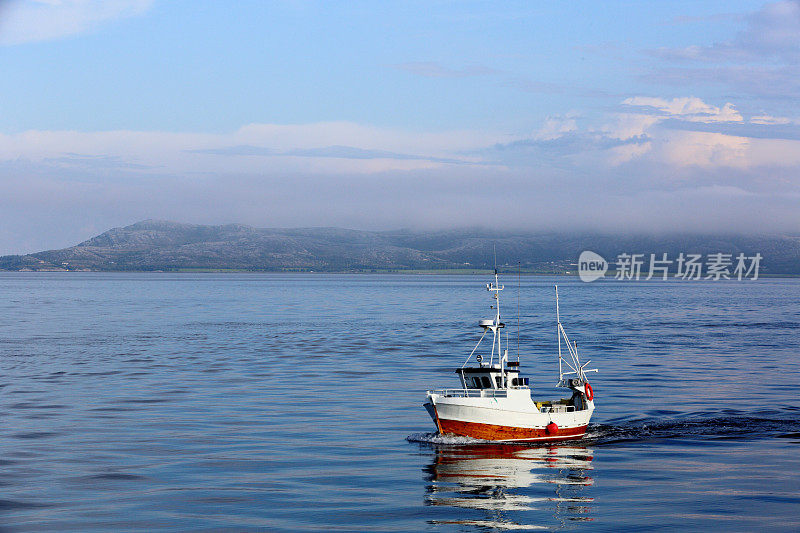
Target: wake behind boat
x=495 y=403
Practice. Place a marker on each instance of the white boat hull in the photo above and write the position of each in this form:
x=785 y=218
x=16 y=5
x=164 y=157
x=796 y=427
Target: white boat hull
x=514 y=418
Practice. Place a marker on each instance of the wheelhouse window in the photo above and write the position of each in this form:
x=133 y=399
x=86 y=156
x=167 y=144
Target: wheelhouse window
x=486 y=383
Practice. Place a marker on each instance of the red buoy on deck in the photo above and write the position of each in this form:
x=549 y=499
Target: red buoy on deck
x=589 y=392
x=552 y=428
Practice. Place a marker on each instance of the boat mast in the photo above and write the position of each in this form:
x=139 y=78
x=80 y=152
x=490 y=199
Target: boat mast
x=497 y=323
x=519 y=290
x=575 y=366
x=558 y=334
x=497 y=340
x=495 y=288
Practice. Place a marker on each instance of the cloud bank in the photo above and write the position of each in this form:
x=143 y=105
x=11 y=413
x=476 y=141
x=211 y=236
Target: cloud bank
x=668 y=152
x=650 y=164
x=27 y=21
x=763 y=59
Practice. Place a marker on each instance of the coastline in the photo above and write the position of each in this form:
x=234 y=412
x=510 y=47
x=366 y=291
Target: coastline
x=433 y=272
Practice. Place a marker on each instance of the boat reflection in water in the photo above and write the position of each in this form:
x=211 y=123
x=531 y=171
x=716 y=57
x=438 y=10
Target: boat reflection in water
x=508 y=485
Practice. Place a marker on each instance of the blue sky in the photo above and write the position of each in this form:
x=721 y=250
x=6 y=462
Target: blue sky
x=608 y=116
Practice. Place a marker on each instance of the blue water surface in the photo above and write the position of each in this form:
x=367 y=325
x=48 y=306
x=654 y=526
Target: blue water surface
x=269 y=402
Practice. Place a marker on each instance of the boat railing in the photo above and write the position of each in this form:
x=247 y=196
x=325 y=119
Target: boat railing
x=471 y=393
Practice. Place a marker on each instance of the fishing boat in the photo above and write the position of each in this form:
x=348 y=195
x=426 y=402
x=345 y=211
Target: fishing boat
x=495 y=403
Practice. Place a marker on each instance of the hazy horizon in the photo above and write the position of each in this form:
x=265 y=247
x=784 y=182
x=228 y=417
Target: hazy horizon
x=633 y=118
x=478 y=230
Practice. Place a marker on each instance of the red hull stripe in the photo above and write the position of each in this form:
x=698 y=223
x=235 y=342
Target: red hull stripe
x=477 y=430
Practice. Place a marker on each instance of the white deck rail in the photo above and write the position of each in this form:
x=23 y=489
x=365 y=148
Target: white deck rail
x=471 y=393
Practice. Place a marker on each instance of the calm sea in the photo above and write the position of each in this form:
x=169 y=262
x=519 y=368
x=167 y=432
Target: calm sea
x=260 y=402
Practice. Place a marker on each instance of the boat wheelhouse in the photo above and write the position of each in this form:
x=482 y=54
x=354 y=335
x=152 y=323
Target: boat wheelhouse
x=494 y=401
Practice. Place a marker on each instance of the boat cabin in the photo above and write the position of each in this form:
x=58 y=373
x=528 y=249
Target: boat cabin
x=485 y=377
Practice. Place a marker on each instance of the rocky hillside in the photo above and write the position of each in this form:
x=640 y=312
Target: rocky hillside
x=169 y=246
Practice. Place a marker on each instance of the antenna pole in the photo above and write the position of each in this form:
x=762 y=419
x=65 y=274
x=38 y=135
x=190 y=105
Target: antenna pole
x=498 y=335
x=577 y=360
x=519 y=290
x=497 y=341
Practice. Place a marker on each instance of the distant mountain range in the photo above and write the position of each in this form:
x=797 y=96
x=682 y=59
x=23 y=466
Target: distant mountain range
x=170 y=246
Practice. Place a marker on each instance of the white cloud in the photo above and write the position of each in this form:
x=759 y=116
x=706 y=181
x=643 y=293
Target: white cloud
x=555 y=127
x=769 y=120
x=26 y=21
x=713 y=150
x=628 y=152
x=363 y=136
x=629 y=125
x=777 y=152
x=770 y=33
x=635 y=171
x=321 y=148
x=704 y=149
x=689 y=108
x=762 y=59
x=677 y=134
